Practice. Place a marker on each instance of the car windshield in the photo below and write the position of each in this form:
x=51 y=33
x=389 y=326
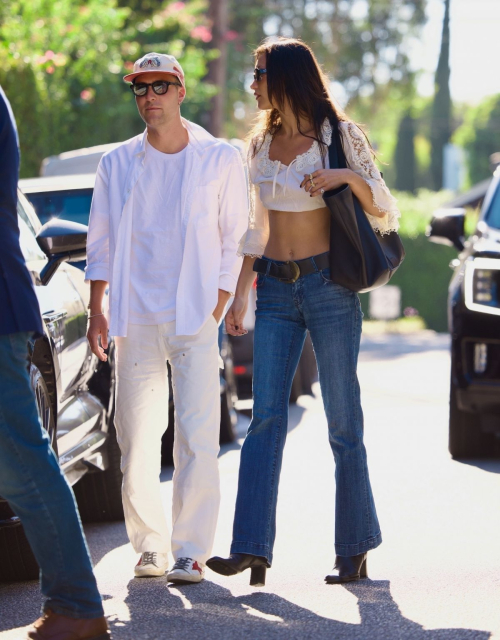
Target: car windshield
x=71 y=205
x=492 y=216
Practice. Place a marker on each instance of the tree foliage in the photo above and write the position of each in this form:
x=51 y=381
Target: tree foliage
x=480 y=136
x=441 y=109
x=62 y=62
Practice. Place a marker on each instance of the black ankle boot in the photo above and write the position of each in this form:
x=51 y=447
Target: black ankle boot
x=238 y=562
x=348 y=569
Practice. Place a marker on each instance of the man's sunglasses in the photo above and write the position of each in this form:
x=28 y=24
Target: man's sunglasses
x=258 y=73
x=160 y=87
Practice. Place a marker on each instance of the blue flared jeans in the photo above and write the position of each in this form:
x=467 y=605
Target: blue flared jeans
x=332 y=314
x=36 y=489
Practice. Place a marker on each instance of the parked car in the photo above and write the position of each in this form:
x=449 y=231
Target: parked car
x=74 y=391
x=474 y=325
x=68 y=197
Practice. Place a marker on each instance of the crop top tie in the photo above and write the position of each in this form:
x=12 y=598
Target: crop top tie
x=276 y=186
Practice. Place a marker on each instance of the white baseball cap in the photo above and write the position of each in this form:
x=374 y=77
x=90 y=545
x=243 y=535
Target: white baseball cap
x=156 y=63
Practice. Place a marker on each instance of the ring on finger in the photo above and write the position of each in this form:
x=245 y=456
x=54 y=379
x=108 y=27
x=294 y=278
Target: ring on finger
x=322 y=191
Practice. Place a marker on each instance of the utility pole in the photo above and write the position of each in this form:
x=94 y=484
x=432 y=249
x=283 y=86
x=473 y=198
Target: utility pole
x=217 y=69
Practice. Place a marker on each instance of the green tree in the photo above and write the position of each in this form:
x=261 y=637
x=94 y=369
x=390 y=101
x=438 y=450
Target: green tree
x=404 y=157
x=62 y=62
x=441 y=111
x=480 y=136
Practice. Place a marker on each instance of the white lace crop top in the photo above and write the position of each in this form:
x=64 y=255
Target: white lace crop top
x=276 y=186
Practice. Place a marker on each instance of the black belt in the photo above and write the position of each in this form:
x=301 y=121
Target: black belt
x=291 y=270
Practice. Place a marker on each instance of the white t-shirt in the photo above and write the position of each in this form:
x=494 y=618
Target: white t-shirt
x=156 y=250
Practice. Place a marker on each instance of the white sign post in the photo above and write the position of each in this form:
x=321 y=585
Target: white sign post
x=385 y=303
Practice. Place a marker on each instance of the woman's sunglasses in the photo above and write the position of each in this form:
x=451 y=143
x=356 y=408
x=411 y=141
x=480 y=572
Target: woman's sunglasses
x=160 y=87
x=258 y=73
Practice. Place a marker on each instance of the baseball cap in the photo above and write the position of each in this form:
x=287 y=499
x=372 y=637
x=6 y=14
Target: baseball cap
x=157 y=63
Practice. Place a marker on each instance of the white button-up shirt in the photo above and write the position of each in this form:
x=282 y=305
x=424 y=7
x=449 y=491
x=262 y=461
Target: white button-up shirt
x=214 y=217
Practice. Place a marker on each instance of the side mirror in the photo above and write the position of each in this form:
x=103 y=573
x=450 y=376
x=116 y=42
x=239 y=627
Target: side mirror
x=61 y=241
x=447 y=227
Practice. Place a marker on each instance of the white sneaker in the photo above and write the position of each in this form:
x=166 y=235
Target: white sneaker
x=186 y=570
x=151 y=564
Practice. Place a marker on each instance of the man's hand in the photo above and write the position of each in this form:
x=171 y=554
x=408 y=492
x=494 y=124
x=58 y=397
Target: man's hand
x=235 y=316
x=98 y=327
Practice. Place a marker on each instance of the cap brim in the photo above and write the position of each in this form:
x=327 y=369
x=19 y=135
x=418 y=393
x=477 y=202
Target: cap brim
x=132 y=76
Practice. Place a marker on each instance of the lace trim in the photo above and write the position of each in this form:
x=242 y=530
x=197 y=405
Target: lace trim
x=362 y=152
x=309 y=158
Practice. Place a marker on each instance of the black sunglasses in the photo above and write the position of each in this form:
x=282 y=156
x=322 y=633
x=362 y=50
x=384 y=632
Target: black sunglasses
x=258 y=73
x=160 y=87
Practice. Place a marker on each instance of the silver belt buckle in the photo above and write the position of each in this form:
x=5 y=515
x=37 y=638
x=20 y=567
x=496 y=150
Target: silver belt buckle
x=295 y=271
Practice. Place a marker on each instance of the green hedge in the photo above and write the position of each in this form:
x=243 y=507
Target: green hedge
x=424 y=275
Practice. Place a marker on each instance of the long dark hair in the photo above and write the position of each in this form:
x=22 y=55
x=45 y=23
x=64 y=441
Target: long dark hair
x=295 y=76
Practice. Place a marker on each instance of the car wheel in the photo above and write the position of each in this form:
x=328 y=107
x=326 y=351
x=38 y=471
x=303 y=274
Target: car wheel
x=99 y=494
x=17 y=561
x=228 y=417
x=467 y=440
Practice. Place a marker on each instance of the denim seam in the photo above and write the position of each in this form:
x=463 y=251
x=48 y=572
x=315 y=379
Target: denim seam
x=355 y=384
x=278 y=432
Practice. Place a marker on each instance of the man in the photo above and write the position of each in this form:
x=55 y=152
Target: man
x=30 y=477
x=169 y=207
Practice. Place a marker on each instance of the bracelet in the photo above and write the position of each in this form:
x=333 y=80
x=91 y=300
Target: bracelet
x=95 y=315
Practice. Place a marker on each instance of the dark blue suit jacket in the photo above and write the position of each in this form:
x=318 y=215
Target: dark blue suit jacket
x=19 y=309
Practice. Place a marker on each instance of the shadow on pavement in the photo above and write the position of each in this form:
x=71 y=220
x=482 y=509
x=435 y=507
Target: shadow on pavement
x=208 y=610
x=491 y=466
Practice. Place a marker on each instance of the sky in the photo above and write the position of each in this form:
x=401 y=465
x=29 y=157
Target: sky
x=474 y=48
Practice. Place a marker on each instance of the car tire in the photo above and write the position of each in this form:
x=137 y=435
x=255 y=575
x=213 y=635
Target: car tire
x=99 y=494
x=17 y=561
x=466 y=438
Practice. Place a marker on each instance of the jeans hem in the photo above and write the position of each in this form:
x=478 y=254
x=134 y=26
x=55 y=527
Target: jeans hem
x=72 y=613
x=362 y=547
x=253 y=549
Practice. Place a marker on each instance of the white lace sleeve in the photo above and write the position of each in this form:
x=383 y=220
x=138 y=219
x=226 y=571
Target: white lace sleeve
x=255 y=239
x=360 y=160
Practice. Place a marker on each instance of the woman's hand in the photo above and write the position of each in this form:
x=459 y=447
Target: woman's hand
x=324 y=180
x=98 y=327
x=235 y=316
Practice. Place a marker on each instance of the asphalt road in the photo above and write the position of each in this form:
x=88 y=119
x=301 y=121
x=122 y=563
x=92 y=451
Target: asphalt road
x=435 y=577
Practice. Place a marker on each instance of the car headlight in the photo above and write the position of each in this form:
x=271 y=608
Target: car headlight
x=482 y=285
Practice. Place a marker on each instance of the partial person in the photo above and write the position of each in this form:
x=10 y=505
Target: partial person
x=168 y=209
x=30 y=477
x=287 y=244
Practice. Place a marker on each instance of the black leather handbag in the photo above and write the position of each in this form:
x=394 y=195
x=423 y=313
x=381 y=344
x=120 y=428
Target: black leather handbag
x=360 y=258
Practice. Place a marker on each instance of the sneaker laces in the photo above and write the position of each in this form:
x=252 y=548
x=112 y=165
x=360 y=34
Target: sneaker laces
x=149 y=557
x=182 y=563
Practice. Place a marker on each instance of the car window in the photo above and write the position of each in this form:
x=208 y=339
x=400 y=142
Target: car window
x=29 y=245
x=71 y=205
x=492 y=216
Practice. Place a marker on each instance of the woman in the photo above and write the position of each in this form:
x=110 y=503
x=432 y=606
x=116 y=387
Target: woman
x=289 y=172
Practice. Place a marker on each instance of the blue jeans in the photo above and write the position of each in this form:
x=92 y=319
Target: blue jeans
x=33 y=484
x=332 y=314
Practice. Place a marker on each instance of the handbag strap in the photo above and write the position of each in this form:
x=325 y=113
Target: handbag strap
x=336 y=154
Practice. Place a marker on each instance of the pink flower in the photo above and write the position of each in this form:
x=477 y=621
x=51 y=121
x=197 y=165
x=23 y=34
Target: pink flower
x=231 y=35
x=177 y=6
x=87 y=95
x=201 y=33
x=49 y=55
x=129 y=66
x=50 y=69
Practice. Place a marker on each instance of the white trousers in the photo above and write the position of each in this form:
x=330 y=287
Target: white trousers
x=141 y=419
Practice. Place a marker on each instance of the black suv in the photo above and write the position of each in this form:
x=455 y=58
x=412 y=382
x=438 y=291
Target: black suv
x=73 y=389
x=474 y=325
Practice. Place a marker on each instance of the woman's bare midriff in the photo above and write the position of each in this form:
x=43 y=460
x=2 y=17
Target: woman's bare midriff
x=294 y=235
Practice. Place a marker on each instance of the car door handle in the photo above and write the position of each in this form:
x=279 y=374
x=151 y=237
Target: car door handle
x=53 y=316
